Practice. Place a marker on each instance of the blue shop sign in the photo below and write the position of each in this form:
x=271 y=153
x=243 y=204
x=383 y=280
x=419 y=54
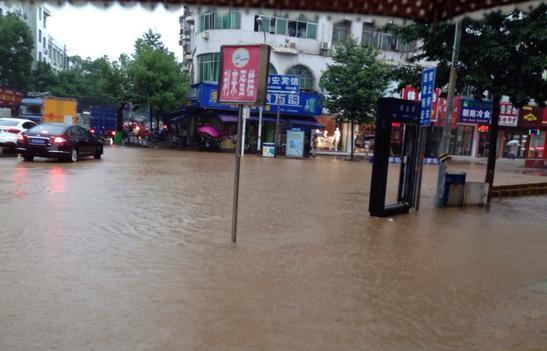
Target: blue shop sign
x=283 y=84
x=475 y=111
x=426 y=95
x=204 y=95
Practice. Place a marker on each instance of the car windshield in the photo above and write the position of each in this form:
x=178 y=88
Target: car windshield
x=8 y=123
x=34 y=110
x=47 y=129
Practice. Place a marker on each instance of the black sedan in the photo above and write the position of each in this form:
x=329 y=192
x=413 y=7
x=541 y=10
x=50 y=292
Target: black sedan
x=61 y=141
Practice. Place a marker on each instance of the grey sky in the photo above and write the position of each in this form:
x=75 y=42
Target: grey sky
x=92 y=31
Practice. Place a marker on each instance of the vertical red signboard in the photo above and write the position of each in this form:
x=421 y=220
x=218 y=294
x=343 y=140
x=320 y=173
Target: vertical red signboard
x=243 y=73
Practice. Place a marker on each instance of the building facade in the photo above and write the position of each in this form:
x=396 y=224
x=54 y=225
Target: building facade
x=302 y=43
x=46 y=48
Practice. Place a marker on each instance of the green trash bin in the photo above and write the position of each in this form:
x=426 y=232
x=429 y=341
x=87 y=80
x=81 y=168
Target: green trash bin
x=118 y=138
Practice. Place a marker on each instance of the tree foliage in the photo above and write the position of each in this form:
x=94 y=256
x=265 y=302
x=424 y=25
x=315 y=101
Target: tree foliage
x=151 y=75
x=15 y=52
x=502 y=54
x=354 y=82
x=156 y=76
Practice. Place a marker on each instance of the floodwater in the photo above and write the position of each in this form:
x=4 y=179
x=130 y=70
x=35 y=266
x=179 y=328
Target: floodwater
x=133 y=252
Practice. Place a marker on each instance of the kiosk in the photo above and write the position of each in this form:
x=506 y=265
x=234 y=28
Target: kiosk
x=407 y=113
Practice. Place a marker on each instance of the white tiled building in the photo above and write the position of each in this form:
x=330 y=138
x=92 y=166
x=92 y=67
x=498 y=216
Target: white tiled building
x=46 y=49
x=301 y=42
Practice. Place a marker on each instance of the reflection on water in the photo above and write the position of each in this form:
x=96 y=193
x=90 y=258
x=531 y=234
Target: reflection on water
x=56 y=182
x=133 y=253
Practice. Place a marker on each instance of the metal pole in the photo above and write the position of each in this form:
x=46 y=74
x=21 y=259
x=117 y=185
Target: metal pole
x=445 y=141
x=277 y=137
x=419 y=164
x=236 y=176
x=246 y=112
x=259 y=139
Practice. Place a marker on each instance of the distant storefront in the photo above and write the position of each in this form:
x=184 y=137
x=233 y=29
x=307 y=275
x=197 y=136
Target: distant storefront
x=298 y=114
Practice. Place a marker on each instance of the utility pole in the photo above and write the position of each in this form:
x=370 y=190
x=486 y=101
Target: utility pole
x=445 y=141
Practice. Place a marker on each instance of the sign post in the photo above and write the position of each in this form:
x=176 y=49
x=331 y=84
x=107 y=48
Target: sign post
x=282 y=90
x=426 y=98
x=242 y=82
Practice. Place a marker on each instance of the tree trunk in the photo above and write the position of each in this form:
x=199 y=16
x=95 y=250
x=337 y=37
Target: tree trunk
x=492 y=144
x=352 y=141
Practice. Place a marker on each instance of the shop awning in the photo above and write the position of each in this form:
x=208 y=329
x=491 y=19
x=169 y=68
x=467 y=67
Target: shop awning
x=305 y=123
x=178 y=118
x=228 y=118
x=266 y=119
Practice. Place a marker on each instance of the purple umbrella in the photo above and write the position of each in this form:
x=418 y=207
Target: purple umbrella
x=209 y=130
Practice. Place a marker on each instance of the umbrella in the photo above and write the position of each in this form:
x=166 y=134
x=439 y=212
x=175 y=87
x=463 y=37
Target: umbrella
x=209 y=131
x=512 y=142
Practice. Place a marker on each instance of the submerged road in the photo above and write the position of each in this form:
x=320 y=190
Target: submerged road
x=133 y=252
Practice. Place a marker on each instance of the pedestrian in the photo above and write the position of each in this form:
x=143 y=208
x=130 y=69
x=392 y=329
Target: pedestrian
x=313 y=143
x=513 y=150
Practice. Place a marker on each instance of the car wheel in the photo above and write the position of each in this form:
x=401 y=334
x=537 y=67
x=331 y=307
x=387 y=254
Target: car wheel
x=28 y=158
x=98 y=152
x=73 y=155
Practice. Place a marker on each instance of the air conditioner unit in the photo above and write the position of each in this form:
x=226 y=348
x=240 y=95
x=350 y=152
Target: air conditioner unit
x=205 y=35
x=325 y=45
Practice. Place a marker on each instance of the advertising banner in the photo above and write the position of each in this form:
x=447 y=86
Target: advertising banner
x=509 y=115
x=295 y=143
x=243 y=71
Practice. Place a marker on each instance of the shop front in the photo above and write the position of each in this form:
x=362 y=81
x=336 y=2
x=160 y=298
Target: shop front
x=297 y=114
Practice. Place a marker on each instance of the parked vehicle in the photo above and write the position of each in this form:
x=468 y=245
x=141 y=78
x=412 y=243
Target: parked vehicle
x=9 y=100
x=49 y=109
x=10 y=128
x=102 y=120
x=57 y=140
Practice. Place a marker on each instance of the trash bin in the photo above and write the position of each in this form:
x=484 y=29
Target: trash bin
x=454 y=188
x=118 y=138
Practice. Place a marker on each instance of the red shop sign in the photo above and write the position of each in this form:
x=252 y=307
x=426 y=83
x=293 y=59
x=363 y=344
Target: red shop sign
x=544 y=117
x=529 y=117
x=243 y=74
x=409 y=93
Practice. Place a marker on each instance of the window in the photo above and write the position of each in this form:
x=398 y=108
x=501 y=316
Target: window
x=271 y=69
x=341 y=32
x=39 y=56
x=40 y=13
x=39 y=35
x=232 y=20
x=208 y=67
x=28 y=125
x=383 y=41
x=1 y=12
x=307 y=82
x=44 y=42
x=272 y=25
x=210 y=20
x=302 y=28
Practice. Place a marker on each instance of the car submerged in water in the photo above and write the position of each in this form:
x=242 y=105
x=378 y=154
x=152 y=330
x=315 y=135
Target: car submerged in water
x=61 y=141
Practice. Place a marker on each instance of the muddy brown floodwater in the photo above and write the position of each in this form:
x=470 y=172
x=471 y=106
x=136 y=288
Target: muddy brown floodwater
x=133 y=252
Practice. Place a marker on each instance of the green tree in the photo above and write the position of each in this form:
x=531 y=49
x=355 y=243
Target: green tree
x=15 y=52
x=43 y=78
x=354 y=83
x=500 y=54
x=157 y=79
